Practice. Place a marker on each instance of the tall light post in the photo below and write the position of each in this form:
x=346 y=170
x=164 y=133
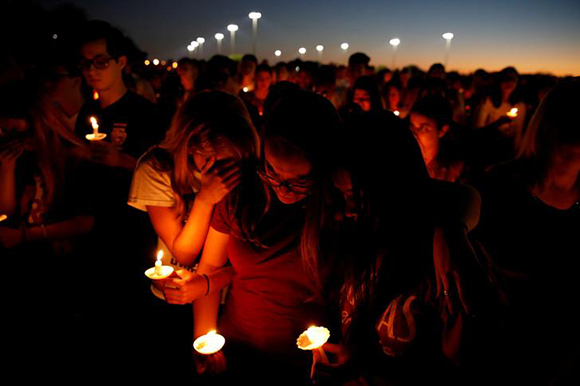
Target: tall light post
x=320 y=48
x=219 y=37
x=200 y=40
x=447 y=36
x=232 y=28
x=395 y=43
x=254 y=16
x=344 y=48
x=302 y=51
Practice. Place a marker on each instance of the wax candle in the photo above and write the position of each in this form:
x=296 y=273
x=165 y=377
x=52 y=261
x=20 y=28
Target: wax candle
x=209 y=343
x=95 y=136
x=159 y=264
x=313 y=338
x=159 y=271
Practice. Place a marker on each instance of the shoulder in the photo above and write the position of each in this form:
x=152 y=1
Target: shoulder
x=155 y=161
x=151 y=184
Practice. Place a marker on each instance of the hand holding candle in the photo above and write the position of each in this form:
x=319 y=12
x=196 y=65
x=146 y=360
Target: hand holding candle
x=159 y=271
x=95 y=136
x=314 y=338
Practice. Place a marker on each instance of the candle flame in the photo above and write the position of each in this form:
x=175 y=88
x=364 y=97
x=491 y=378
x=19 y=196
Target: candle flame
x=94 y=123
x=513 y=112
x=95 y=95
x=396 y=112
x=160 y=255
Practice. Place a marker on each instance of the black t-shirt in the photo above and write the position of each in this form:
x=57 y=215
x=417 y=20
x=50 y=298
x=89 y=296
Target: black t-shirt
x=132 y=123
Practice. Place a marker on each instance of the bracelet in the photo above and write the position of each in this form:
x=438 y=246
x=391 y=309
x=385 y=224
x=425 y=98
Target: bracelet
x=43 y=228
x=207 y=282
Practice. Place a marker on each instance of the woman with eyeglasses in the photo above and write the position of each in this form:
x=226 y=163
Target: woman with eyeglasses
x=270 y=237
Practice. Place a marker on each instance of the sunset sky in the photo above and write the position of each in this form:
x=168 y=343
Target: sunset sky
x=533 y=36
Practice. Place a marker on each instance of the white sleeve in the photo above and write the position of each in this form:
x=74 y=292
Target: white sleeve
x=150 y=187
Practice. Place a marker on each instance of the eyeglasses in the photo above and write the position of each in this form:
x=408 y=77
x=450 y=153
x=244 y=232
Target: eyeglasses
x=100 y=63
x=300 y=189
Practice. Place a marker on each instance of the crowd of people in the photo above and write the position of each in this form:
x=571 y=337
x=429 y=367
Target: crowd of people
x=427 y=219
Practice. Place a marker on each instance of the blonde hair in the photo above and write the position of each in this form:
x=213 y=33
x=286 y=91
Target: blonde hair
x=210 y=119
x=53 y=138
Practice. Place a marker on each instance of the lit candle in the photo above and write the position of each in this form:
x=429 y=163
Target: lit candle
x=159 y=264
x=159 y=271
x=95 y=125
x=313 y=339
x=512 y=113
x=209 y=343
x=396 y=112
x=3 y=217
x=95 y=95
x=95 y=136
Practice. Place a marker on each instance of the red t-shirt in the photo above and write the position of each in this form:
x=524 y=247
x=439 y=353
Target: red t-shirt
x=269 y=302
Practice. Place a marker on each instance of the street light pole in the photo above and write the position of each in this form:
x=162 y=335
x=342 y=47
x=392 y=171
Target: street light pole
x=200 y=40
x=395 y=43
x=254 y=16
x=219 y=37
x=320 y=48
x=447 y=36
x=233 y=28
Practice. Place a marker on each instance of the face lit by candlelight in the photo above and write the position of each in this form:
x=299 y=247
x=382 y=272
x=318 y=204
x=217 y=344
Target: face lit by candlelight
x=287 y=166
x=110 y=71
x=363 y=99
x=428 y=135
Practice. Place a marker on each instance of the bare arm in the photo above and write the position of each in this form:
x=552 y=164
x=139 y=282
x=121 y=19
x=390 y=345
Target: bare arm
x=183 y=240
x=186 y=240
x=214 y=257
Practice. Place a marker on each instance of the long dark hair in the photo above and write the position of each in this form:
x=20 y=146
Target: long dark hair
x=388 y=251
x=308 y=123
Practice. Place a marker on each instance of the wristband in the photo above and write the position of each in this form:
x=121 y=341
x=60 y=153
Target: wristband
x=207 y=282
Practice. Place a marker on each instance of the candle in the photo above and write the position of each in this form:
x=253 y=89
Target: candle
x=95 y=136
x=512 y=113
x=159 y=264
x=96 y=95
x=396 y=112
x=209 y=343
x=95 y=125
x=3 y=217
x=159 y=271
x=313 y=339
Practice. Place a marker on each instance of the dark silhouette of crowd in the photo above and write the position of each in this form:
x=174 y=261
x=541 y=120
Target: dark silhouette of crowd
x=430 y=220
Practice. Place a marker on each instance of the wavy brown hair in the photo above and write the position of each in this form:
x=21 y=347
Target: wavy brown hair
x=208 y=121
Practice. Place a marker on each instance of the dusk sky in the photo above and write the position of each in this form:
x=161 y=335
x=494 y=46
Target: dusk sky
x=533 y=36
